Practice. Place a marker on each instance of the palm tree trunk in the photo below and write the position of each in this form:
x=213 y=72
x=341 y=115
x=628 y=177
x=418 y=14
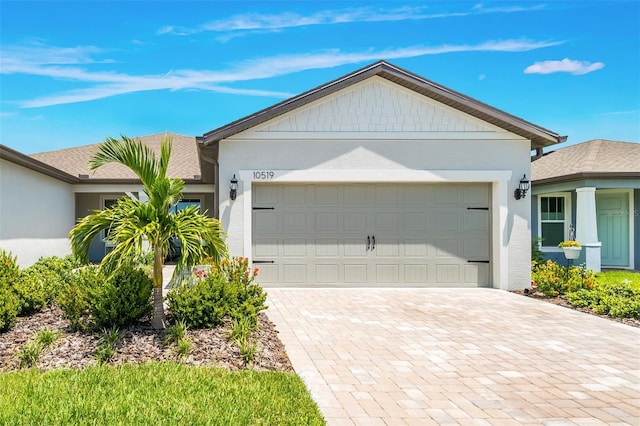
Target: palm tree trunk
x=157 y=317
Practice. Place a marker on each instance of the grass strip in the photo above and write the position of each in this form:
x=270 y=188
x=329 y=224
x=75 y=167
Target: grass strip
x=155 y=393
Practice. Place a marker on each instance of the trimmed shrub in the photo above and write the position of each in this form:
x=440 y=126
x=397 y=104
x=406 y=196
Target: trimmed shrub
x=9 y=302
x=91 y=300
x=554 y=280
x=8 y=308
x=616 y=300
x=227 y=291
x=124 y=299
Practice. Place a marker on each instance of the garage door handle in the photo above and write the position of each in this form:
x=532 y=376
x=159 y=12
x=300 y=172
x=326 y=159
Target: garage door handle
x=368 y=243
x=373 y=246
x=264 y=261
x=477 y=261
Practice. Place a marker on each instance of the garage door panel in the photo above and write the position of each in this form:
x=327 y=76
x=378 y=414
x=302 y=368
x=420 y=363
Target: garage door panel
x=475 y=248
x=415 y=273
x=425 y=234
x=476 y=194
x=446 y=195
x=327 y=248
x=385 y=195
x=268 y=274
x=414 y=195
x=355 y=247
x=294 y=273
x=294 y=248
x=265 y=221
x=354 y=221
x=354 y=195
x=326 y=222
x=476 y=221
x=447 y=221
x=355 y=274
x=415 y=248
x=387 y=274
x=447 y=274
x=266 y=248
x=476 y=273
x=327 y=273
x=449 y=247
x=294 y=194
x=414 y=221
x=294 y=221
x=386 y=247
x=326 y=195
x=387 y=221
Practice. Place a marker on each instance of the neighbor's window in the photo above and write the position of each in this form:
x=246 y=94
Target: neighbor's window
x=182 y=204
x=554 y=219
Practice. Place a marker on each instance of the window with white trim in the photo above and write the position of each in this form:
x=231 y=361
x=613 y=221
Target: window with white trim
x=554 y=217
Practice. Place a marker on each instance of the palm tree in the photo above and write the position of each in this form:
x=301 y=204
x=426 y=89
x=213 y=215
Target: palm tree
x=132 y=224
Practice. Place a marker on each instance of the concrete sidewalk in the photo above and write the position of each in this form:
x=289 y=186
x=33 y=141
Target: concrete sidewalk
x=457 y=357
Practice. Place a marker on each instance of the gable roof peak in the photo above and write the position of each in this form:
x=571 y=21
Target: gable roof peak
x=539 y=136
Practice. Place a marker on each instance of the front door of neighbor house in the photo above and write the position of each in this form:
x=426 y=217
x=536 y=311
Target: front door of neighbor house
x=613 y=227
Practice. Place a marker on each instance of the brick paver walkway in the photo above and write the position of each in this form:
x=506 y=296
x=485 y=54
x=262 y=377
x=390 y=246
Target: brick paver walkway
x=457 y=356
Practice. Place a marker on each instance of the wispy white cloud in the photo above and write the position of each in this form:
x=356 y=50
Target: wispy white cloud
x=71 y=65
x=630 y=112
x=566 y=65
x=251 y=22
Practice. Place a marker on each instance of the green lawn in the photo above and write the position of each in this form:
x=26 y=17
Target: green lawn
x=617 y=277
x=155 y=393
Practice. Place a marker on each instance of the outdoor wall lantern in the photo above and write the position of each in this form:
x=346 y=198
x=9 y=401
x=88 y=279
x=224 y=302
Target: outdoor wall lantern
x=522 y=188
x=234 y=187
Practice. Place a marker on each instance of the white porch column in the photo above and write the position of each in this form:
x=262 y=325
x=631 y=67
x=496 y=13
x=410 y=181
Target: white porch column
x=587 y=227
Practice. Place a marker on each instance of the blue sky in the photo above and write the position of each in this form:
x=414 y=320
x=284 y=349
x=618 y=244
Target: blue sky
x=74 y=73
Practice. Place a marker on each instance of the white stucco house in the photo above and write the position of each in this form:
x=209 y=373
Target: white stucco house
x=378 y=178
x=42 y=195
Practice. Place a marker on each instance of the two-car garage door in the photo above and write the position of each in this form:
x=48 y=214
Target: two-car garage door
x=372 y=234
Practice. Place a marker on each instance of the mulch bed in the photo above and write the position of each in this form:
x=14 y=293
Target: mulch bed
x=140 y=343
x=562 y=301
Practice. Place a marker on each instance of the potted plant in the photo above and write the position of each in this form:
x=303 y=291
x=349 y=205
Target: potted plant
x=571 y=249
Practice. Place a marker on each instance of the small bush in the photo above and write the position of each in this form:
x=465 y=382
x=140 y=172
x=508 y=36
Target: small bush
x=9 y=305
x=124 y=299
x=91 y=300
x=227 y=291
x=9 y=301
x=554 y=280
x=616 y=300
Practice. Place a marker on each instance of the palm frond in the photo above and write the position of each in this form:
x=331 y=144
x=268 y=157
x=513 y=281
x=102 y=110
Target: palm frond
x=129 y=152
x=165 y=155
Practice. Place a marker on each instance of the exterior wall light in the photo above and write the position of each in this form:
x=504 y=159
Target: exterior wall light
x=233 y=187
x=523 y=187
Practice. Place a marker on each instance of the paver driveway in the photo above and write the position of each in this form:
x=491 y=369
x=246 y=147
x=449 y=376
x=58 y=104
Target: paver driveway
x=457 y=356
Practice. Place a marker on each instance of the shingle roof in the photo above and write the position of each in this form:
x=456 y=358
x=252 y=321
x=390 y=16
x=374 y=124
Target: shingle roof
x=539 y=136
x=595 y=158
x=184 y=161
x=23 y=160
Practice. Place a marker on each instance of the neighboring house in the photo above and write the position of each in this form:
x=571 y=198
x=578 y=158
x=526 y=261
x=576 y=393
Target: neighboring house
x=378 y=178
x=593 y=186
x=42 y=195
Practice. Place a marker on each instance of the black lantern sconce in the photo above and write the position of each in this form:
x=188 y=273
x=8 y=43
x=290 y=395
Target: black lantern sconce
x=522 y=188
x=233 y=186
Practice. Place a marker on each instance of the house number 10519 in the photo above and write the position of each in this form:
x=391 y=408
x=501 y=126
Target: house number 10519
x=263 y=174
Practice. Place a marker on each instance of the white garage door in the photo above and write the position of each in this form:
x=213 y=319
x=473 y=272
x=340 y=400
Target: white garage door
x=372 y=234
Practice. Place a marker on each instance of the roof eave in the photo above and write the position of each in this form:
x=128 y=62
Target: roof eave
x=23 y=160
x=586 y=175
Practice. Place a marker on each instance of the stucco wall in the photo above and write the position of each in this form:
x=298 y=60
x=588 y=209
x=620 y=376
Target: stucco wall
x=36 y=214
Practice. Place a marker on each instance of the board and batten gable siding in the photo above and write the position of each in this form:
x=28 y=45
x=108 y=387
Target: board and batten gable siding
x=377 y=131
x=36 y=213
